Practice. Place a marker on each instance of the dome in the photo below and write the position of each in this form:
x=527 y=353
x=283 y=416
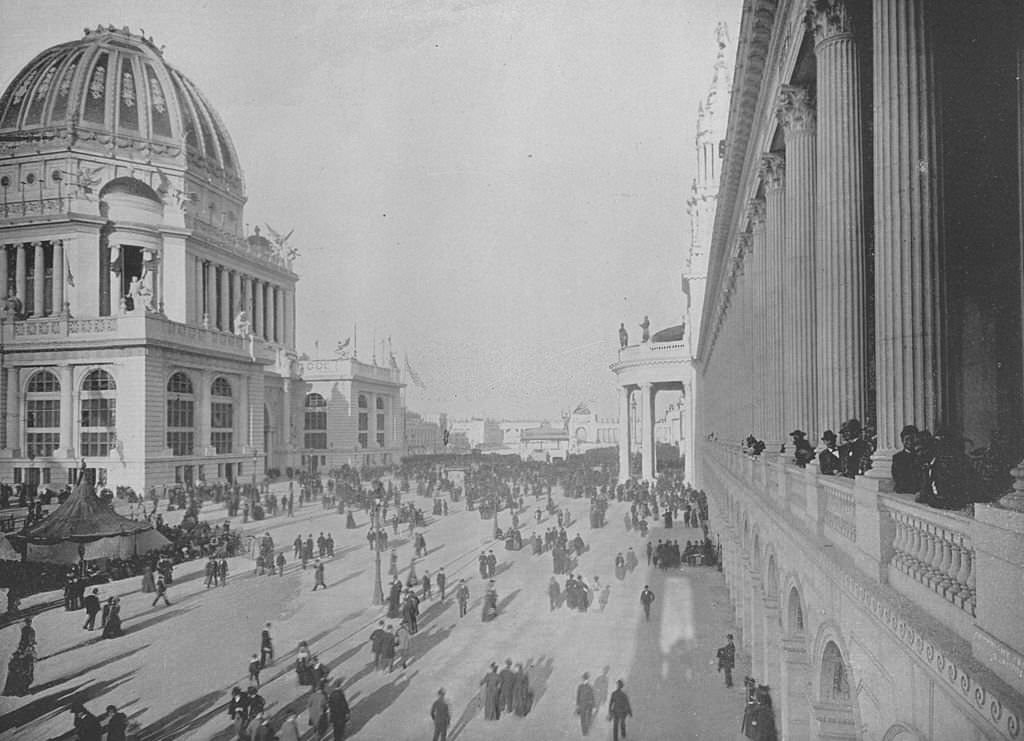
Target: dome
x=114 y=87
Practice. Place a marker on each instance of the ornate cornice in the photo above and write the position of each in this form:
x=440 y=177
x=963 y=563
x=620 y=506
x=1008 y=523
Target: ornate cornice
x=773 y=171
x=829 y=20
x=795 y=109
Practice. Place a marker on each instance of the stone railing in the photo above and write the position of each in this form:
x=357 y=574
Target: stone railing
x=935 y=549
x=32 y=207
x=133 y=326
x=838 y=506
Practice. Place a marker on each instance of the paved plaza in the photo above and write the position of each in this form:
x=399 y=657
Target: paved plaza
x=173 y=670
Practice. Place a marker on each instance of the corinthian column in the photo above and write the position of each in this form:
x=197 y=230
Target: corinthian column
x=841 y=250
x=623 y=434
x=773 y=174
x=646 y=432
x=758 y=311
x=38 y=279
x=796 y=112
x=909 y=290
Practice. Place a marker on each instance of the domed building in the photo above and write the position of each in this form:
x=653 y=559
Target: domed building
x=142 y=330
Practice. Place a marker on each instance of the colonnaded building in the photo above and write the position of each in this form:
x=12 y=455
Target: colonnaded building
x=866 y=263
x=143 y=330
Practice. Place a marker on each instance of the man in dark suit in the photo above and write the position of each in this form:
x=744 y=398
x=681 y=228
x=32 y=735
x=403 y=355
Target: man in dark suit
x=646 y=598
x=441 y=716
x=906 y=469
x=726 y=656
x=942 y=479
x=618 y=709
x=828 y=459
x=339 y=710
x=92 y=607
x=585 y=703
x=506 y=680
x=855 y=452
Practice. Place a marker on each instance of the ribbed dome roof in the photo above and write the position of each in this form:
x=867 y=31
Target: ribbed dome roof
x=114 y=86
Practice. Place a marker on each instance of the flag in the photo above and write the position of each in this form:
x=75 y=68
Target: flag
x=70 y=277
x=413 y=375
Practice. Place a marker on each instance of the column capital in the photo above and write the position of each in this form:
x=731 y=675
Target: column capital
x=745 y=246
x=795 y=109
x=829 y=20
x=756 y=212
x=773 y=171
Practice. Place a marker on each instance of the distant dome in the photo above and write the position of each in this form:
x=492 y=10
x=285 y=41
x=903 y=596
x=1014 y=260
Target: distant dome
x=114 y=87
x=669 y=334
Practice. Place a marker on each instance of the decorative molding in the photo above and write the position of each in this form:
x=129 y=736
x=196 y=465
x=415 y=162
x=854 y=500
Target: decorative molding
x=756 y=212
x=795 y=109
x=829 y=20
x=773 y=171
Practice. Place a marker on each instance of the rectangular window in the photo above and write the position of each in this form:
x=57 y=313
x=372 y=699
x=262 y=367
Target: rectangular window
x=181 y=442
x=97 y=443
x=42 y=413
x=380 y=430
x=221 y=441
x=316 y=441
x=316 y=420
x=181 y=413
x=40 y=444
x=364 y=430
x=221 y=416
x=99 y=413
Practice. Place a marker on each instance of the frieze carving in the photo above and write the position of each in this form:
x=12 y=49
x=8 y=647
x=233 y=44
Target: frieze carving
x=773 y=171
x=829 y=20
x=795 y=109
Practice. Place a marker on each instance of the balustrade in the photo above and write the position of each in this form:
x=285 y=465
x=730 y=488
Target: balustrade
x=839 y=510
x=939 y=555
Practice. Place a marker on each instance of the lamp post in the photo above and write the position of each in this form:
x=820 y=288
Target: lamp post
x=495 y=531
x=378 y=589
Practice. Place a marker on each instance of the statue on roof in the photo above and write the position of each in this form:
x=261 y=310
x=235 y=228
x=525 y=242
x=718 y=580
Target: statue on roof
x=645 y=326
x=623 y=335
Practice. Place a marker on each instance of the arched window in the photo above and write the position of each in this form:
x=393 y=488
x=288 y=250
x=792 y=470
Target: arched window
x=835 y=684
x=364 y=422
x=181 y=415
x=316 y=422
x=98 y=409
x=581 y=434
x=222 y=416
x=42 y=414
x=380 y=421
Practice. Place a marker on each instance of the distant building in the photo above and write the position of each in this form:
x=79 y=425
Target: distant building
x=353 y=414
x=480 y=433
x=544 y=444
x=587 y=431
x=424 y=434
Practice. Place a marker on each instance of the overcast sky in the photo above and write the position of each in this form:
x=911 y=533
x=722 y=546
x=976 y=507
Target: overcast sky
x=494 y=185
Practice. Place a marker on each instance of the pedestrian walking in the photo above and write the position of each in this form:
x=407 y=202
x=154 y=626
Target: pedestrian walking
x=222 y=572
x=289 y=730
x=254 y=669
x=585 y=703
x=425 y=584
x=506 y=681
x=318 y=574
x=726 y=656
x=280 y=563
x=340 y=712
x=87 y=725
x=619 y=710
x=377 y=644
x=441 y=715
x=117 y=724
x=317 y=710
x=403 y=646
x=266 y=647
x=92 y=608
x=646 y=598
x=462 y=595
x=161 y=592
x=442 y=581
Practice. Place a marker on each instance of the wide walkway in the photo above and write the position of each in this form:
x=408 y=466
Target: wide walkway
x=173 y=670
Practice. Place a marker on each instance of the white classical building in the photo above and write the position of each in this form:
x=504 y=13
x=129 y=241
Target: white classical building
x=352 y=414
x=143 y=331
x=665 y=361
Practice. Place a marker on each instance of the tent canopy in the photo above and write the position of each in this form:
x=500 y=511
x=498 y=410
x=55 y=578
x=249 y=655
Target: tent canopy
x=82 y=518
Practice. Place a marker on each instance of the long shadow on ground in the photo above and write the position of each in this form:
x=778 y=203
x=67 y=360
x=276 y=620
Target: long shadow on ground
x=376 y=701
x=60 y=701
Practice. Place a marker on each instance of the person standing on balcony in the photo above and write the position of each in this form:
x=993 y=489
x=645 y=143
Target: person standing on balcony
x=906 y=468
x=828 y=459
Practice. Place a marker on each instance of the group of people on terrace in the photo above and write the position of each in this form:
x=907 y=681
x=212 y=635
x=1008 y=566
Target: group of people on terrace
x=933 y=466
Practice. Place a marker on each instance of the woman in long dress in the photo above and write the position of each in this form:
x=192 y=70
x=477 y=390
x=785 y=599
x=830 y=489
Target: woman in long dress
x=20 y=672
x=112 y=626
x=148 y=584
x=521 y=699
x=491 y=682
